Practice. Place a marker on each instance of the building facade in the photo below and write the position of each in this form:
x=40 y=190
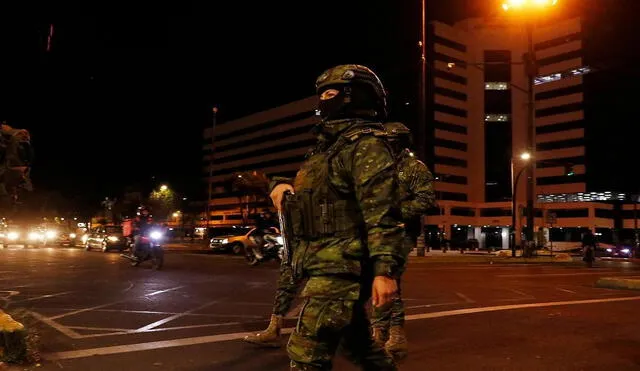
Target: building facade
x=274 y=142
x=477 y=129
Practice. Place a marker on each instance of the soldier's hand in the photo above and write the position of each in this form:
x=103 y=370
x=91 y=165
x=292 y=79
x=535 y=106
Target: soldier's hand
x=384 y=290
x=278 y=194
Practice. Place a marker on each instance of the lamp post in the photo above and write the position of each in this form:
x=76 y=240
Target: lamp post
x=210 y=180
x=526 y=156
x=530 y=8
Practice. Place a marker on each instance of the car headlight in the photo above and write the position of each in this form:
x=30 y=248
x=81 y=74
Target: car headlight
x=156 y=235
x=13 y=236
x=85 y=238
x=113 y=238
x=72 y=235
x=34 y=236
x=625 y=251
x=609 y=250
x=51 y=234
x=225 y=241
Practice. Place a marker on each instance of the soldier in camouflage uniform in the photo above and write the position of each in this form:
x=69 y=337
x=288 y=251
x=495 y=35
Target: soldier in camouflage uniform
x=345 y=220
x=416 y=185
x=16 y=157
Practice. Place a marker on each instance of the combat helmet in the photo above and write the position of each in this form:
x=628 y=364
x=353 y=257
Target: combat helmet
x=354 y=74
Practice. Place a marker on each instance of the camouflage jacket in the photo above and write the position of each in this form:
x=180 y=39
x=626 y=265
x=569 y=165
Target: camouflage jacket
x=416 y=185
x=364 y=169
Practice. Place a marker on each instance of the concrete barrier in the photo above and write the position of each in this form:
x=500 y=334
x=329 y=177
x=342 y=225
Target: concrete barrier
x=628 y=283
x=13 y=339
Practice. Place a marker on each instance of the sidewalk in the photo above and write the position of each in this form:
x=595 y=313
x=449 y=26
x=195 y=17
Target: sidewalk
x=501 y=256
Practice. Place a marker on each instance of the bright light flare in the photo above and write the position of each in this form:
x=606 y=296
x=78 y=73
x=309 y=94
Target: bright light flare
x=156 y=235
x=525 y=156
x=51 y=234
x=519 y=4
x=13 y=236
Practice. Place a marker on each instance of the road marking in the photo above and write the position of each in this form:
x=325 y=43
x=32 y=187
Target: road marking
x=521 y=293
x=565 y=290
x=195 y=326
x=63 y=329
x=538 y=275
x=239 y=335
x=43 y=297
x=175 y=316
x=432 y=305
x=112 y=303
x=99 y=329
x=458 y=312
x=465 y=297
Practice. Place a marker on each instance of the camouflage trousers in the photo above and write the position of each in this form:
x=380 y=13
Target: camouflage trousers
x=389 y=315
x=323 y=325
x=286 y=291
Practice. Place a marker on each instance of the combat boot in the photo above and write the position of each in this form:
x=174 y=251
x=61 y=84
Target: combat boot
x=397 y=345
x=269 y=337
x=379 y=336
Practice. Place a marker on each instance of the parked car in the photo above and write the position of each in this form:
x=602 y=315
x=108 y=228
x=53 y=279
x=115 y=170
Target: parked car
x=236 y=241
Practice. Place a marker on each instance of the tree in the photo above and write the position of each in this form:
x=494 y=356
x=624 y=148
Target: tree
x=251 y=188
x=163 y=203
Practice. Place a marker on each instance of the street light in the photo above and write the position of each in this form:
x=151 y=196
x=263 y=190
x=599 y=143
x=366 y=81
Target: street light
x=164 y=187
x=530 y=8
x=525 y=156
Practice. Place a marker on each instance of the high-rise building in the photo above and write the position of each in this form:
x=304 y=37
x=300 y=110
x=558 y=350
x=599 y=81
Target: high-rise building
x=274 y=142
x=477 y=128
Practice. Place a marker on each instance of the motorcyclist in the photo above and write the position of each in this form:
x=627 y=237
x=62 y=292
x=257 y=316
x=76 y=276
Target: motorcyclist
x=141 y=226
x=264 y=225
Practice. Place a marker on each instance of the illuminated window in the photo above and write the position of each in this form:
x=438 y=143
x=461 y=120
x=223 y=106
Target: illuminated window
x=563 y=75
x=548 y=78
x=496 y=85
x=492 y=117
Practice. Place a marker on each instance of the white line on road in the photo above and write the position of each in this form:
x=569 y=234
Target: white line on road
x=175 y=316
x=465 y=297
x=99 y=329
x=43 y=297
x=432 y=305
x=112 y=303
x=63 y=329
x=565 y=290
x=521 y=293
x=239 y=335
x=538 y=275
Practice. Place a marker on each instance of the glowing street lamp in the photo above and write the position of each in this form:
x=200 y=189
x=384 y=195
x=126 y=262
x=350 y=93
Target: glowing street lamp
x=164 y=188
x=522 y=4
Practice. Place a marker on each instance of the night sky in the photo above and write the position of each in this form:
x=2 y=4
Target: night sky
x=126 y=90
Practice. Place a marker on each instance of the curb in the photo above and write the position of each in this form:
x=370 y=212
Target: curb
x=13 y=339
x=492 y=259
x=627 y=283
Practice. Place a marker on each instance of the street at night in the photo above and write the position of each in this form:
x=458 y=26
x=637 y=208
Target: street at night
x=96 y=312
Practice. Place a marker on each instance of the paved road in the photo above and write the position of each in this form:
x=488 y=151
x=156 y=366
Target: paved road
x=95 y=312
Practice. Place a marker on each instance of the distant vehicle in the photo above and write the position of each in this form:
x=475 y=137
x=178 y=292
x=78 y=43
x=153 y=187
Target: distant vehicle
x=23 y=235
x=105 y=238
x=235 y=240
x=621 y=251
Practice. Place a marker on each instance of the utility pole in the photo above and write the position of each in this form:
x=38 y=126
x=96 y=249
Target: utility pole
x=422 y=93
x=531 y=68
x=210 y=179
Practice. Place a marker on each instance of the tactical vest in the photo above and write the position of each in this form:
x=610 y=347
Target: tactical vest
x=317 y=209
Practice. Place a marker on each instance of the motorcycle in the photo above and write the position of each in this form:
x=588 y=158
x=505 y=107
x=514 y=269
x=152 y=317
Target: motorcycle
x=272 y=249
x=150 y=249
